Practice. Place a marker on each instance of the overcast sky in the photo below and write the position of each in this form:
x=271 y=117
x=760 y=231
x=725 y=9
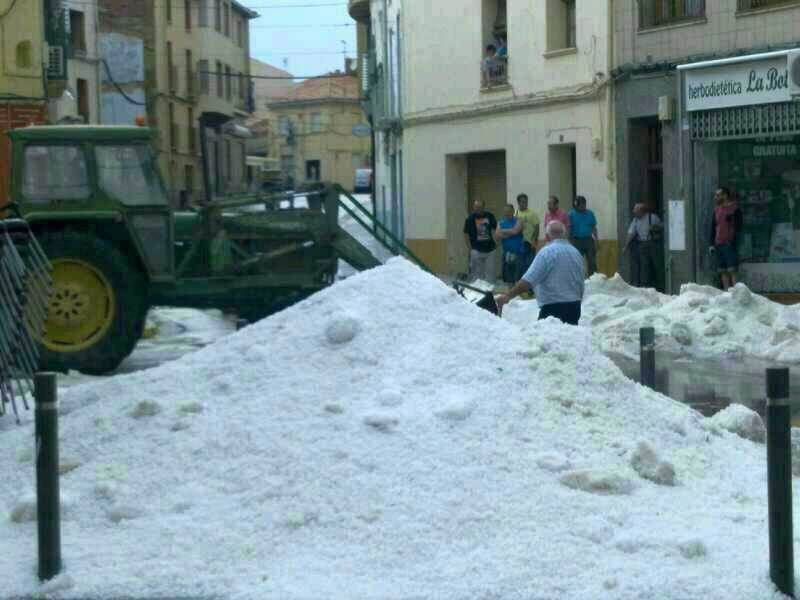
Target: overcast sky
x=305 y=33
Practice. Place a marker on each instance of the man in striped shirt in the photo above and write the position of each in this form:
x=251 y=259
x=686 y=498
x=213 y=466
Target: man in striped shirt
x=556 y=275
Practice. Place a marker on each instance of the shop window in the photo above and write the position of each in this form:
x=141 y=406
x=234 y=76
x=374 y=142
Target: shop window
x=24 y=55
x=77 y=32
x=655 y=13
x=55 y=173
x=494 y=65
x=561 y=25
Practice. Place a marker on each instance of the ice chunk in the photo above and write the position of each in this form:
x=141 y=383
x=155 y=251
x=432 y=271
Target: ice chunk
x=456 y=410
x=646 y=463
x=381 y=421
x=598 y=482
x=341 y=330
x=742 y=421
x=553 y=462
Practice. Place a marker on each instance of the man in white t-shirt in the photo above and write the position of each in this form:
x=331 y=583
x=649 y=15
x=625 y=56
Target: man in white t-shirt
x=644 y=235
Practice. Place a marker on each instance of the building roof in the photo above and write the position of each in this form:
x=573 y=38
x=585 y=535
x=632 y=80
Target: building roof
x=250 y=14
x=334 y=86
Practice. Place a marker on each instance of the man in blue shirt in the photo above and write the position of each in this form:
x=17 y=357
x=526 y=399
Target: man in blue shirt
x=583 y=232
x=556 y=275
x=509 y=233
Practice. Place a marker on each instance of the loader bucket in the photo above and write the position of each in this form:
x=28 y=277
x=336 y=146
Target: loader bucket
x=24 y=294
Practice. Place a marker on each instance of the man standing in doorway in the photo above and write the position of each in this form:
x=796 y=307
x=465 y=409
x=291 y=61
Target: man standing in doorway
x=725 y=225
x=479 y=231
x=530 y=228
x=557 y=277
x=583 y=232
x=644 y=230
x=554 y=214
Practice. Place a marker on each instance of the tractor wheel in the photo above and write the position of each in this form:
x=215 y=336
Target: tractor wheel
x=97 y=306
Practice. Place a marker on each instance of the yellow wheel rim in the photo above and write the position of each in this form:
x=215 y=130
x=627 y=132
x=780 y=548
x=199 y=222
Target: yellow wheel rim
x=82 y=306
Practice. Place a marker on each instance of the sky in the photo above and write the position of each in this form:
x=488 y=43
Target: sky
x=305 y=37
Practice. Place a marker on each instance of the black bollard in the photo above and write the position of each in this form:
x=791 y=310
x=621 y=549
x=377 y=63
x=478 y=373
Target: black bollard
x=47 y=488
x=779 y=481
x=647 y=357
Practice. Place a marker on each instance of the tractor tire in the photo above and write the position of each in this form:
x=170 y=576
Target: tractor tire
x=97 y=306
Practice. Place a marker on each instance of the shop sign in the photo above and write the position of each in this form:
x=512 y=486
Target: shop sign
x=737 y=84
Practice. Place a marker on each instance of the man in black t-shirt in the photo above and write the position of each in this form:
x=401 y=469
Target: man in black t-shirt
x=479 y=230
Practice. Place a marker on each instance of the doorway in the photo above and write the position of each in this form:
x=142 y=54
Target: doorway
x=313 y=170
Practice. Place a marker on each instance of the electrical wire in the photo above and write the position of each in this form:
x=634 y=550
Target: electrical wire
x=9 y=9
x=117 y=86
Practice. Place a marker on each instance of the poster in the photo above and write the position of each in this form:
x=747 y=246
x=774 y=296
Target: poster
x=677 y=226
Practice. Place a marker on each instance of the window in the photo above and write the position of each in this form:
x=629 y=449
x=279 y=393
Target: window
x=129 y=174
x=190 y=88
x=228 y=92
x=187 y=14
x=202 y=13
x=82 y=91
x=173 y=133
x=77 y=31
x=24 y=55
x=202 y=68
x=316 y=122
x=240 y=32
x=494 y=51
x=226 y=20
x=171 y=78
x=168 y=7
x=228 y=161
x=654 y=13
x=313 y=169
x=55 y=173
x=220 y=88
x=192 y=142
x=284 y=126
x=561 y=25
x=218 y=15
x=188 y=181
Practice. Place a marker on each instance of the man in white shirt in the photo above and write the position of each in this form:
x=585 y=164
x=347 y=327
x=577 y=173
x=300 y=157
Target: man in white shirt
x=644 y=235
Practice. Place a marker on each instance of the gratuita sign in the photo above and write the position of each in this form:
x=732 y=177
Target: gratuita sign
x=737 y=84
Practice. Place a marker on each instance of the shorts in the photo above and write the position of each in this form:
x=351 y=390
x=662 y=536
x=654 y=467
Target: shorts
x=727 y=260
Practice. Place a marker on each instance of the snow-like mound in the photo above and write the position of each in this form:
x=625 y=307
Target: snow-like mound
x=701 y=321
x=386 y=439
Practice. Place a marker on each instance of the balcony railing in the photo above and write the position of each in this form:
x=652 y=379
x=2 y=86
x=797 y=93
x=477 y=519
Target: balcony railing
x=494 y=73
x=756 y=4
x=655 y=13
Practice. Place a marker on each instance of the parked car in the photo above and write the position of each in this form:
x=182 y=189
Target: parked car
x=363 y=182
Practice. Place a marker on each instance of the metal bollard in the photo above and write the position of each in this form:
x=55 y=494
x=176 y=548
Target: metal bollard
x=647 y=357
x=779 y=481
x=47 y=486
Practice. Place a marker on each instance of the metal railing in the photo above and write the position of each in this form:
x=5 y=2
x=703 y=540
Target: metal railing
x=25 y=284
x=655 y=13
x=756 y=4
x=494 y=72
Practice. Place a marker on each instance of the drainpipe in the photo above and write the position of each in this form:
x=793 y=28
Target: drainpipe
x=98 y=101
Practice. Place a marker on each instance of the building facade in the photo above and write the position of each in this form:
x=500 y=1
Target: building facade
x=269 y=84
x=538 y=121
x=381 y=67
x=314 y=131
x=176 y=61
x=703 y=100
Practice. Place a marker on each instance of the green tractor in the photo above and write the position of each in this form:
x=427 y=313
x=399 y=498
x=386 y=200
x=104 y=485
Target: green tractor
x=95 y=201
